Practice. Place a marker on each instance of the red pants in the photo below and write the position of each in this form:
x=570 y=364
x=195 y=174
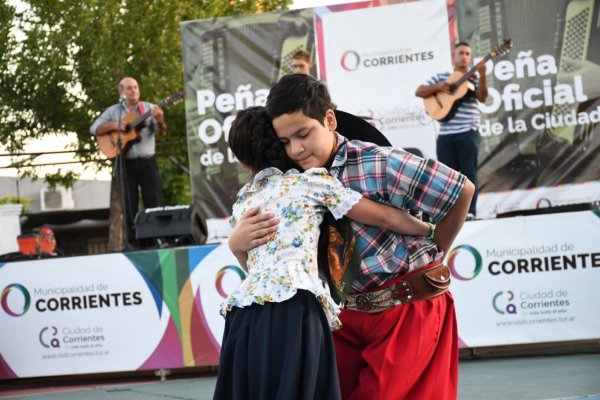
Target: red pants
x=406 y=352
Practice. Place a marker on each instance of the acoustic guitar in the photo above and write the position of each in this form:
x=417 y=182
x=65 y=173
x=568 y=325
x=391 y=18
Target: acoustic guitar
x=107 y=142
x=441 y=106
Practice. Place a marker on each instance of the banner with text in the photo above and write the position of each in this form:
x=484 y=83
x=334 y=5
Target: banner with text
x=527 y=279
x=540 y=124
x=230 y=64
x=160 y=309
x=115 y=312
x=374 y=71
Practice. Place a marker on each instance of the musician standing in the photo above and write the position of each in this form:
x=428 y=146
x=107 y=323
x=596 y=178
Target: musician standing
x=301 y=62
x=140 y=170
x=459 y=139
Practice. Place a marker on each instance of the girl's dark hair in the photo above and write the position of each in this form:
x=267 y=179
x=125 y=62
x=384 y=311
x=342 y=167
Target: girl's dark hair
x=253 y=141
x=297 y=92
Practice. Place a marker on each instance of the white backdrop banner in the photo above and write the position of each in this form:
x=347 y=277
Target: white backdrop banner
x=527 y=279
x=515 y=280
x=74 y=315
x=373 y=59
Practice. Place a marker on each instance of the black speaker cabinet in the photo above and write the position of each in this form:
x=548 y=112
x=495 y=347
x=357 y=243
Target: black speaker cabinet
x=172 y=224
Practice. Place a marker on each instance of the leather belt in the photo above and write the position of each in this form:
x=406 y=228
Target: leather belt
x=420 y=285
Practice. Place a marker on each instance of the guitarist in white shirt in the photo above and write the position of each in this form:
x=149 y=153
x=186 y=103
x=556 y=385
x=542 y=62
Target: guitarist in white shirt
x=139 y=164
x=459 y=139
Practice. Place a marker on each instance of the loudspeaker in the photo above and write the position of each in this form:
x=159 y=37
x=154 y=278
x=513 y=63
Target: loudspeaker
x=173 y=225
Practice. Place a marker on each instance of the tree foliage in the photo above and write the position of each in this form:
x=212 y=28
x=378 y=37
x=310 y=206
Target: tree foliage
x=61 y=61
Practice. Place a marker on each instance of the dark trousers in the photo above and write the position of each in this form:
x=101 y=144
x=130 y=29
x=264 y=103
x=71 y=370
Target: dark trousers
x=460 y=151
x=141 y=175
x=278 y=351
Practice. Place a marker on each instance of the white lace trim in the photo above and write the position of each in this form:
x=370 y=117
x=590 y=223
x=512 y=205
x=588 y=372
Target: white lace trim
x=346 y=204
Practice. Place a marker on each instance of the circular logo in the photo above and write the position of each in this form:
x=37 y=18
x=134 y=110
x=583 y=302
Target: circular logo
x=470 y=251
x=510 y=308
x=350 y=60
x=11 y=309
x=54 y=342
x=223 y=272
x=543 y=202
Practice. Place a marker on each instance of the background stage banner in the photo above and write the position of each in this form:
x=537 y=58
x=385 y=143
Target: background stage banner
x=541 y=123
x=374 y=58
x=230 y=64
x=527 y=279
x=160 y=309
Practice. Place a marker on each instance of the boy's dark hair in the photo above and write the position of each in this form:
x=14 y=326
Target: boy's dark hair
x=297 y=92
x=461 y=44
x=253 y=141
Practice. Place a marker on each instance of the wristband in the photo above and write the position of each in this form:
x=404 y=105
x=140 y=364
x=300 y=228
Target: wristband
x=431 y=231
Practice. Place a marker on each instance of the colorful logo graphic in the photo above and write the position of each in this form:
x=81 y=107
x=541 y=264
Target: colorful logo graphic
x=469 y=251
x=15 y=289
x=510 y=307
x=226 y=271
x=350 y=60
x=53 y=342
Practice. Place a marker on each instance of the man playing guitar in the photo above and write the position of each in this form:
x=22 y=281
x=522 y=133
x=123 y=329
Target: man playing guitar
x=139 y=170
x=458 y=140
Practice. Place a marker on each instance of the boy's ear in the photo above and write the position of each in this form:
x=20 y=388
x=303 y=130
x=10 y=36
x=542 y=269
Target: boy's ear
x=330 y=120
x=245 y=166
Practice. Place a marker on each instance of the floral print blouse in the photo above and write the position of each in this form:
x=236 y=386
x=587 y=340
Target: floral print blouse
x=288 y=262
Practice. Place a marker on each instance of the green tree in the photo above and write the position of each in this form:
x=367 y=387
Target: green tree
x=61 y=61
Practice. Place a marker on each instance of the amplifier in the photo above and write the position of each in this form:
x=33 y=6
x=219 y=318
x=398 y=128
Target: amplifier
x=168 y=223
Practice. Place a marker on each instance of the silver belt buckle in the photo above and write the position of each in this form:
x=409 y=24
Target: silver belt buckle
x=363 y=302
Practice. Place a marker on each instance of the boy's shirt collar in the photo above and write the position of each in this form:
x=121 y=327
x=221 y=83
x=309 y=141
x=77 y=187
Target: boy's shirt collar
x=341 y=155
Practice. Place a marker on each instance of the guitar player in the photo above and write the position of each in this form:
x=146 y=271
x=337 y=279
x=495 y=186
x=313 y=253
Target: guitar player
x=458 y=140
x=140 y=170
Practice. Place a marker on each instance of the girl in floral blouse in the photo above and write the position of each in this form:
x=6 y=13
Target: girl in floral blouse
x=277 y=342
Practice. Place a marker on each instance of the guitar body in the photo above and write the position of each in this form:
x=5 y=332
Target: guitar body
x=107 y=142
x=441 y=105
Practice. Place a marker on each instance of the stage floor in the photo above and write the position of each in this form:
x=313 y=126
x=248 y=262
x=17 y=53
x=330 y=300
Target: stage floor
x=542 y=377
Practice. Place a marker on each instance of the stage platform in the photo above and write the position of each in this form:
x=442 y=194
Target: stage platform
x=536 y=378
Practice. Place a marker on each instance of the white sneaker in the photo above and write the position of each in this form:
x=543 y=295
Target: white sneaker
x=470 y=217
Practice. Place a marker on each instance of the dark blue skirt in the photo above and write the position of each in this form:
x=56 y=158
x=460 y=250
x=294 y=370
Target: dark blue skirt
x=278 y=351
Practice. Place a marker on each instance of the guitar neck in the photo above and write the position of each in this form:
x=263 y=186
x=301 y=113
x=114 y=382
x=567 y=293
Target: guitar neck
x=141 y=119
x=165 y=102
x=470 y=73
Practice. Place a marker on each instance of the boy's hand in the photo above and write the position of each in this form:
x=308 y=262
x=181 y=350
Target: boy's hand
x=252 y=230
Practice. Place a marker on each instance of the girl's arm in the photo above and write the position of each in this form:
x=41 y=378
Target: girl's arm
x=390 y=218
x=242 y=258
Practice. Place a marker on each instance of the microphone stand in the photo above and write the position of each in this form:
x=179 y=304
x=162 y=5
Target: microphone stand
x=121 y=182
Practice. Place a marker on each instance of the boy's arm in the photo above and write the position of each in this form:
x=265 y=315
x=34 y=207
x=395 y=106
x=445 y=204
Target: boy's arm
x=386 y=217
x=448 y=227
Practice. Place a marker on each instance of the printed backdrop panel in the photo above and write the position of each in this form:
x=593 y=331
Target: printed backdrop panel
x=527 y=279
x=230 y=64
x=114 y=312
x=64 y=316
x=541 y=122
x=373 y=60
x=515 y=280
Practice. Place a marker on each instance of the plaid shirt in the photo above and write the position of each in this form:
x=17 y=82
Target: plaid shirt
x=393 y=176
